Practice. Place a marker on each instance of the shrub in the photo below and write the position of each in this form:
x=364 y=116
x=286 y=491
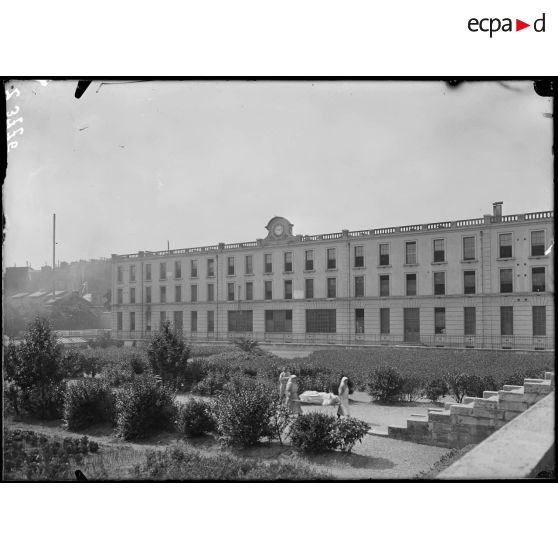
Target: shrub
x=472 y=385
x=195 y=418
x=213 y=383
x=168 y=356
x=244 y=412
x=385 y=384
x=247 y=345
x=435 y=389
x=347 y=432
x=144 y=407
x=411 y=387
x=77 y=364
x=88 y=401
x=34 y=368
x=116 y=374
x=313 y=432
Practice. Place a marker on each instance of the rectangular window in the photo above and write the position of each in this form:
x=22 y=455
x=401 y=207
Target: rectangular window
x=359 y=320
x=250 y=291
x=211 y=267
x=309 y=260
x=162 y=317
x=162 y=271
x=288 y=261
x=193 y=268
x=538 y=280
x=178 y=293
x=384 y=254
x=468 y=247
x=148 y=272
x=210 y=292
x=384 y=285
x=148 y=295
x=537 y=244
x=288 y=289
x=132 y=273
x=410 y=253
x=506 y=320
x=210 y=321
x=359 y=256
x=469 y=282
x=359 y=286
x=331 y=258
x=384 y=321
x=230 y=265
x=439 y=320
x=470 y=320
x=148 y=320
x=439 y=250
x=309 y=288
x=506 y=280
x=194 y=321
x=240 y=320
x=539 y=320
x=440 y=282
x=249 y=265
x=132 y=295
x=331 y=287
x=162 y=294
x=178 y=270
x=119 y=274
x=178 y=321
x=321 y=321
x=230 y=291
x=411 y=284
x=193 y=293
x=268 y=290
x=119 y=321
x=505 y=245
x=132 y=321
x=268 y=267
x=119 y=296
x=279 y=321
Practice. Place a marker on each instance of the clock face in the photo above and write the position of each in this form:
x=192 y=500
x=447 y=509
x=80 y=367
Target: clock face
x=278 y=229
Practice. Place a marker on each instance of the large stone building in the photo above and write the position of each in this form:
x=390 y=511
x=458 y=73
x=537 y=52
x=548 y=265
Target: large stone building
x=485 y=283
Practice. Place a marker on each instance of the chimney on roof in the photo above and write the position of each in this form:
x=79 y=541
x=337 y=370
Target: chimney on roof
x=497 y=209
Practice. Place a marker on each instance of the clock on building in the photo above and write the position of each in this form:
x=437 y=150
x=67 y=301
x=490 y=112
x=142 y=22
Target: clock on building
x=279 y=229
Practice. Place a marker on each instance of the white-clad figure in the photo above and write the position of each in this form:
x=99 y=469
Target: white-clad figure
x=343 y=409
x=283 y=379
x=292 y=400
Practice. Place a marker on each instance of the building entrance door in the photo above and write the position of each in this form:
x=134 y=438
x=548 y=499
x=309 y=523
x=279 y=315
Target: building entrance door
x=411 y=318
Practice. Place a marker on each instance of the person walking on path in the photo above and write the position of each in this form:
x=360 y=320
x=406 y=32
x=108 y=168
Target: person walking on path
x=292 y=400
x=343 y=408
x=283 y=379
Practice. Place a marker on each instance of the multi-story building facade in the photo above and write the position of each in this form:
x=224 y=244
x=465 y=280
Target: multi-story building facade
x=485 y=283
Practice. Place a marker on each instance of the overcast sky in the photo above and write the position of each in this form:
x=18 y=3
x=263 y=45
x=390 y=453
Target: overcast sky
x=198 y=163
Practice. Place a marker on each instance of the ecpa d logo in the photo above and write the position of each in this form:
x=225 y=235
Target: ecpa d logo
x=492 y=25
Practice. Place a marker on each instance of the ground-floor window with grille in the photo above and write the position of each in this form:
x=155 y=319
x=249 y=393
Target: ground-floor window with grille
x=539 y=320
x=119 y=321
x=537 y=274
x=240 y=320
x=506 y=320
x=359 y=320
x=132 y=321
x=194 y=321
x=439 y=320
x=384 y=321
x=178 y=321
x=470 y=320
x=279 y=321
x=321 y=321
x=210 y=321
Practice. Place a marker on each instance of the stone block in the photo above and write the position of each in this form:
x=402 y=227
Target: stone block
x=439 y=416
x=518 y=406
x=480 y=403
x=550 y=376
x=532 y=398
x=440 y=427
x=484 y=413
x=537 y=387
x=510 y=415
x=486 y=394
x=460 y=409
x=468 y=399
x=509 y=387
x=509 y=396
x=474 y=421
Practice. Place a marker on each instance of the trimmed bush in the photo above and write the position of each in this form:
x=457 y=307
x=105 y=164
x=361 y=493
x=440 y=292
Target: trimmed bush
x=144 y=407
x=194 y=418
x=435 y=389
x=116 y=374
x=313 y=432
x=385 y=384
x=472 y=385
x=87 y=401
x=411 y=387
x=347 y=431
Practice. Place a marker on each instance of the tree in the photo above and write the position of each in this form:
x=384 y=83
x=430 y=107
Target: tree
x=34 y=368
x=168 y=355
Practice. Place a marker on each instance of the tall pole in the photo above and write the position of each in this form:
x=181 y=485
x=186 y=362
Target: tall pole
x=53 y=255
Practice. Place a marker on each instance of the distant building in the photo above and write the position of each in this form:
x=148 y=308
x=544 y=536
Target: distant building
x=485 y=282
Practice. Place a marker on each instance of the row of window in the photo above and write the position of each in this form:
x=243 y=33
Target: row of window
x=325 y=321
x=505 y=247
x=538 y=284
